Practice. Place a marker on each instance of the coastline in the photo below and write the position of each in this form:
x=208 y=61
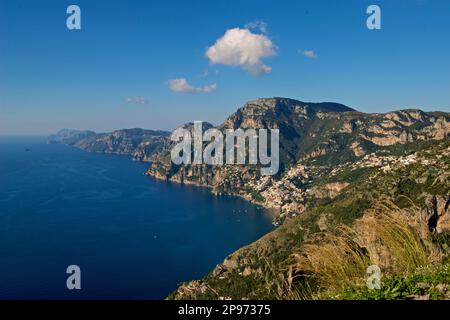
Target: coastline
x=273 y=212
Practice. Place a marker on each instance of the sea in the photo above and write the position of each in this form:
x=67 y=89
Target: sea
x=131 y=236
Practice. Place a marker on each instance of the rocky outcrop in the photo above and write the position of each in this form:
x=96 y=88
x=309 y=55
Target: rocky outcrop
x=142 y=145
x=329 y=190
x=438 y=214
x=357 y=149
x=398 y=128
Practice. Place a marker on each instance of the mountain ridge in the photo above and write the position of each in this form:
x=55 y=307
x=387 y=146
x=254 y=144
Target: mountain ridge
x=308 y=136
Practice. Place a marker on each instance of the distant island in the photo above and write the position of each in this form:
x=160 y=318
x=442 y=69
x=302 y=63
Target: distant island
x=354 y=190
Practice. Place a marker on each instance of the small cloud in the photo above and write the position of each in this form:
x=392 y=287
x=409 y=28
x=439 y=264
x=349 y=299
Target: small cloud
x=137 y=100
x=258 y=25
x=181 y=85
x=310 y=54
x=241 y=48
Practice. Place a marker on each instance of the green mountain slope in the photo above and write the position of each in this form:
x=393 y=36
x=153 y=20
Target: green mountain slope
x=393 y=207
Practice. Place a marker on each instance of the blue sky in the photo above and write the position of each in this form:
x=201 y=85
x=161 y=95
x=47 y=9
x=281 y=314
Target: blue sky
x=115 y=72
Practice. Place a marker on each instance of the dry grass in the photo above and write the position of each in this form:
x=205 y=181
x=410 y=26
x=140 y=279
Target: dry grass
x=339 y=260
x=336 y=263
x=390 y=234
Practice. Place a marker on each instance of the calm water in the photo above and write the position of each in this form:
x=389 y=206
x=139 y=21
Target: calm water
x=132 y=236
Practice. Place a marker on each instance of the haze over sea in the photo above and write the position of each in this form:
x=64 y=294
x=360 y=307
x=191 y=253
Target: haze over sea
x=132 y=236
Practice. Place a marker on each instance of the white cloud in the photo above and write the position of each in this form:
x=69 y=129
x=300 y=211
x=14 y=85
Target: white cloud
x=137 y=100
x=181 y=85
x=259 y=25
x=242 y=48
x=310 y=54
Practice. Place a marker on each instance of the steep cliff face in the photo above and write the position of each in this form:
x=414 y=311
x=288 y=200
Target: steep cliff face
x=311 y=135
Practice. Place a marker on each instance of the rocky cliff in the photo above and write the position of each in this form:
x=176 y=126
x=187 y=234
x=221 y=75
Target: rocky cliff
x=142 y=145
x=311 y=135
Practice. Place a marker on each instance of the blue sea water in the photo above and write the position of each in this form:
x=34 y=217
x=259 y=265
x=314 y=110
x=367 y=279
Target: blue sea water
x=132 y=236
